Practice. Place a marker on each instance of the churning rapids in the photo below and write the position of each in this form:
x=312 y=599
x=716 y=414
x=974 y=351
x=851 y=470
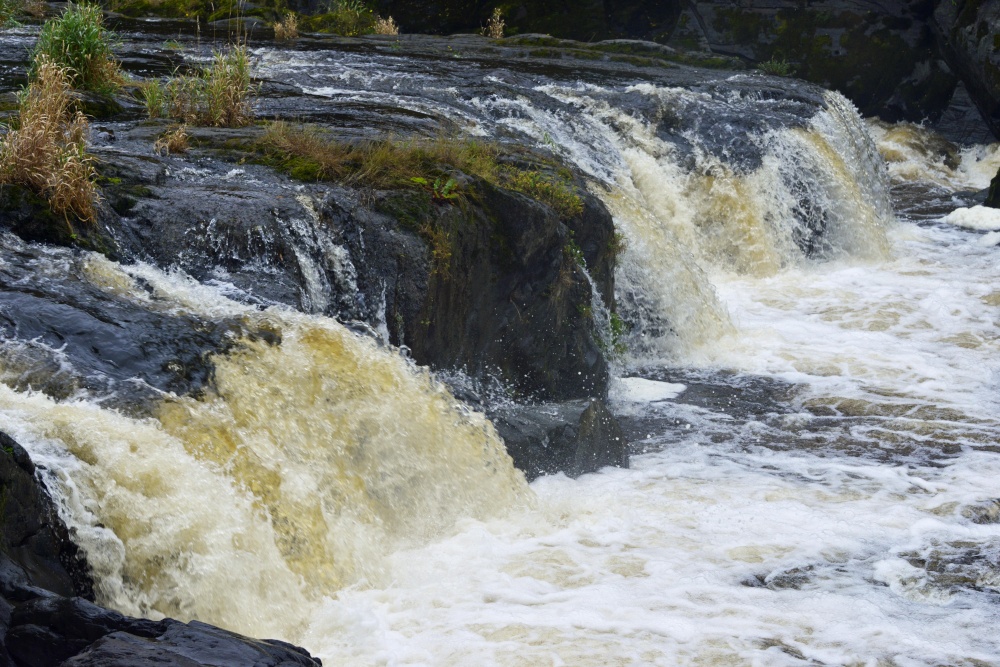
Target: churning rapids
x=810 y=383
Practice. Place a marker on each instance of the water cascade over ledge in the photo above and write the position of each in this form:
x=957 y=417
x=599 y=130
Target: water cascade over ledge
x=810 y=389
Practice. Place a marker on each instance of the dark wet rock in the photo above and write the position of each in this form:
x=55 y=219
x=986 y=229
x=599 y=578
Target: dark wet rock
x=36 y=553
x=969 y=34
x=576 y=437
x=64 y=333
x=510 y=300
x=993 y=194
x=984 y=513
x=961 y=121
x=489 y=283
x=47 y=618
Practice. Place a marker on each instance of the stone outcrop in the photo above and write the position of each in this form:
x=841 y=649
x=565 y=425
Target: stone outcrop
x=969 y=34
x=575 y=437
x=993 y=196
x=47 y=620
x=493 y=283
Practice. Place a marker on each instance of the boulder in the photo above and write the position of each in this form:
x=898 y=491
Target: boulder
x=496 y=290
x=993 y=196
x=47 y=618
x=969 y=35
x=575 y=437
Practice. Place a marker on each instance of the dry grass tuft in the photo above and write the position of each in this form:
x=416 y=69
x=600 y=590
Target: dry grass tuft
x=287 y=29
x=175 y=142
x=386 y=26
x=47 y=150
x=494 y=27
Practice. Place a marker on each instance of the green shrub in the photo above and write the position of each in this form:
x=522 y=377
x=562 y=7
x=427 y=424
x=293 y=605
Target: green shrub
x=78 y=41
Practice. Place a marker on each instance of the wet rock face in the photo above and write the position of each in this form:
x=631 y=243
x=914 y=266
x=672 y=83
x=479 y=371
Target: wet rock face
x=575 y=437
x=969 y=33
x=46 y=619
x=491 y=285
x=993 y=197
x=492 y=282
x=62 y=333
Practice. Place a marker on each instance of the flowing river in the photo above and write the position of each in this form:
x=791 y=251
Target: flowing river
x=810 y=383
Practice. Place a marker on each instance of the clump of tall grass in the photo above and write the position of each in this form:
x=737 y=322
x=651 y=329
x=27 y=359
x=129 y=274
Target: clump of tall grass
x=495 y=25
x=78 y=41
x=220 y=95
x=287 y=28
x=386 y=26
x=46 y=151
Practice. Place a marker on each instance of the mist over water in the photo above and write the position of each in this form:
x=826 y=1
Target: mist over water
x=822 y=489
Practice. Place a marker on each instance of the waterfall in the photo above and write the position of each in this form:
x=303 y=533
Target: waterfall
x=315 y=454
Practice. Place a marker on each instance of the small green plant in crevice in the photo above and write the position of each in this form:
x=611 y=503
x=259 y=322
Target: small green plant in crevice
x=46 y=150
x=78 y=41
x=618 y=332
x=439 y=244
x=574 y=252
x=440 y=190
x=617 y=245
x=221 y=95
x=777 y=67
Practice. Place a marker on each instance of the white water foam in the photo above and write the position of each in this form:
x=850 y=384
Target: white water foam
x=976 y=217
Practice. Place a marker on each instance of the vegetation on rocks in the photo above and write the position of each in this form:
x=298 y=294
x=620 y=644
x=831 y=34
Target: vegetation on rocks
x=46 y=150
x=221 y=95
x=304 y=153
x=287 y=28
x=495 y=25
x=78 y=42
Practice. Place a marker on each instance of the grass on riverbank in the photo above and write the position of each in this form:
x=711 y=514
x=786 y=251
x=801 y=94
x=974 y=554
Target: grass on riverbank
x=46 y=151
x=304 y=153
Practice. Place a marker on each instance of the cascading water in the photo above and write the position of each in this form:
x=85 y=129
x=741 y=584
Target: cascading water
x=817 y=412
x=322 y=453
